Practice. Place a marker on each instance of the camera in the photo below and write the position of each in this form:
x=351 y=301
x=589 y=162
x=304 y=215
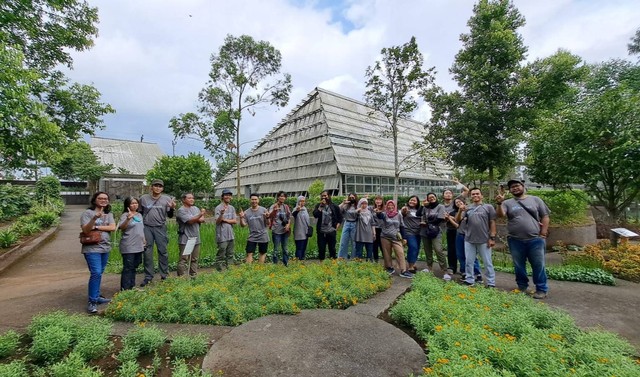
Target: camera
x=283 y=219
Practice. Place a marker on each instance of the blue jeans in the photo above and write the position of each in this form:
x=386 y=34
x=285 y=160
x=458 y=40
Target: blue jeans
x=368 y=246
x=461 y=257
x=301 y=248
x=96 y=263
x=471 y=251
x=280 y=240
x=533 y=250
x=347 y=240
x=413 y=247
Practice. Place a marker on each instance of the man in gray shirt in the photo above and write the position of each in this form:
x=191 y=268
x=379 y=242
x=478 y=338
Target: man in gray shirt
x=189 y=218
x=156 y=207
x=528 y=223
x=480 y=236
x=257 y=218
x=225 y=216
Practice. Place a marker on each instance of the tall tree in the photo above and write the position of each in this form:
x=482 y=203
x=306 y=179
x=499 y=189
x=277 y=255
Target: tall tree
x=182 y=174
x=634 y=45
x=244 y=74
x=483 y=122
x=393 y=85
x=594 y=139
x=77 y=161
x=37 y=36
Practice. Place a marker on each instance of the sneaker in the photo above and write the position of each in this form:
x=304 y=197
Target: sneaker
x=479 y=278
x=391 y=270
x=447 y=277
x=103 y=300
x=92 y=308
x=539 y=295
x=426 y=270
x=144 y=283
x=468 y=284
x=413 y=271
x=406 y=274
x=491 y=286
x=163 y=278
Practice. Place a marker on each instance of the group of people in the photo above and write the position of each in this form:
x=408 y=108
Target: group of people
x=470 y=231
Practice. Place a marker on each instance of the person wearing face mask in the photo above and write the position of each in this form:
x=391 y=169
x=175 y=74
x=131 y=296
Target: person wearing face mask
x=432 y=216
x=348 y=210
x=528 y=224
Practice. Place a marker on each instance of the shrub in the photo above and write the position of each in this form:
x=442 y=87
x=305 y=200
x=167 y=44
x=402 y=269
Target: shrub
x=92 y=339
x=181 y=369
x=26 y=228
x=146 y=339
x=50 y=344
x=622 y=261
x=16 y=200
x=9 y=343
x=73 y=366
x=187 y=346
x=568 y=207
x=8 y=237
x=572 y=273
x=129 y=368
x=16 y=368
x=47 y=188
x=45 y=219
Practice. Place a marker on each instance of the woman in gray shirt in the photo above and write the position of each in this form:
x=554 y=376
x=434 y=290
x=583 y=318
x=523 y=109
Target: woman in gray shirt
x=300 y=226
x=132 y=242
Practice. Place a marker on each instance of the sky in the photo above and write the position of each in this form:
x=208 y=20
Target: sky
x=151 y=57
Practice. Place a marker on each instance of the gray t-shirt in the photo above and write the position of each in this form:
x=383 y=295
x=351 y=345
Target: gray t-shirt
x=301 y=223
x=155 y=211
x=462 y=227
x=327 y=218
x=448 y=208
x=430 y=215
x=390 y=225
x=224 y=231
x=257 y=223
x=186 y=230
x=364 y=226
x=348 y=212
x=106 y=219
x=521 y=224
x=477 y=218
x=132 y=240
x=411 y=222
x=280 y=219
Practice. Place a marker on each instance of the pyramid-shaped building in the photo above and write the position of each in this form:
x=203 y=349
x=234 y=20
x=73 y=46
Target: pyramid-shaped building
x=341 y=142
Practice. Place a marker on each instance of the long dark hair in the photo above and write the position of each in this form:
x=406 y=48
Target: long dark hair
x=106 y=209
x=417 y=201
x=382 y=205
x=127 y=203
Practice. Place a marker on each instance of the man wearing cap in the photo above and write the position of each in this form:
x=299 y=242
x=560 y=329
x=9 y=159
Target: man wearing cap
x=156 y=207
x=528 y=223
x=225 y=216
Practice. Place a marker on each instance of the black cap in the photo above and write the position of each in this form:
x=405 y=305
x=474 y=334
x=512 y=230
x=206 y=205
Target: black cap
x=157 y=182
x=514 y=181
x=226 y=192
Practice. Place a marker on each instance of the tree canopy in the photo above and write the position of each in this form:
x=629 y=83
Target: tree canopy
x=77 y=161
x=245 y=73
x=594 y=139
x=393 y=86
x=183 y=174
x=41 y=110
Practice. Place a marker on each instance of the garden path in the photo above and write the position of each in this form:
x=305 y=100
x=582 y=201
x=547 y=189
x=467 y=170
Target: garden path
x=55 y=277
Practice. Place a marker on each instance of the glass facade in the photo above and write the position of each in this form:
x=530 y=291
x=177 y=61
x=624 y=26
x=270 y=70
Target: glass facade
x=373 y=185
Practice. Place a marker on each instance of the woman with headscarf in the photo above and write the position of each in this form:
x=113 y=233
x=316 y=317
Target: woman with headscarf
x=411 y=218
x=365 y=229
x=97 y=218
x=300 y=226
x=391 y=239
x=432 y=215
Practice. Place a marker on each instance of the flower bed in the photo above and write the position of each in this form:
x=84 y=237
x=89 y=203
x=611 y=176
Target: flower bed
x=246 y=292
x=484 y=332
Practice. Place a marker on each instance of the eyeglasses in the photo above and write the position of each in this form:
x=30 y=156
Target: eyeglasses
x=103 y=198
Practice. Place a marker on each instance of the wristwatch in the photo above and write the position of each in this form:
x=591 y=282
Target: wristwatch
x=492 y=238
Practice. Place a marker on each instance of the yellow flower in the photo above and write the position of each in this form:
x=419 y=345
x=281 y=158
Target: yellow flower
x=438 y=328
x=555 y=336
x=458 y=344
x=443 y=361
x=464 y=357
x=427 y=370
x=603 y=360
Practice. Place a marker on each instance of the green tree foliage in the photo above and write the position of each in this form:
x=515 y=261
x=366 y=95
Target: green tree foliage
x=595 y=138
x=392 y=87
x=244 y=75
x=77 y=161
x=40 y=109
x=224 y=165
x=183 y=174
x=314 y=191
x=482 y=123
x=634 y=45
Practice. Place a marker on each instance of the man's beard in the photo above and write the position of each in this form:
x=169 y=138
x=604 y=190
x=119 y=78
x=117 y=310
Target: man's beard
x=519 y=194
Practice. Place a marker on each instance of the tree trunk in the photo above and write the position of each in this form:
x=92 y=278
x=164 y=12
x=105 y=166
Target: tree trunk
x=491 y=184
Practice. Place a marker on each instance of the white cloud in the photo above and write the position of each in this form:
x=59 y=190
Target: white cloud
x=152 y=56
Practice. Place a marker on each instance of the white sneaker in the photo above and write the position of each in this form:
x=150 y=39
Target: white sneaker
x=447 y=277
x=425 y=270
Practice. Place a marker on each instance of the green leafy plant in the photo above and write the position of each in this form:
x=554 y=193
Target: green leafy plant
x=129 y=368
x=92 y=339
x=485 y=332
x=16 y=200
x=8 y=237
x=16 y=368
x=50 y=344
x=181 y=369
x=146 y=339
x=185 y=346
x=47 y=188
x=571 y=273
x=27 y=229
x=73 y=366
x=9 y=342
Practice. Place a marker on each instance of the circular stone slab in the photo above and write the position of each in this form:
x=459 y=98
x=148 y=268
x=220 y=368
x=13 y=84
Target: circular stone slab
x=316 y=343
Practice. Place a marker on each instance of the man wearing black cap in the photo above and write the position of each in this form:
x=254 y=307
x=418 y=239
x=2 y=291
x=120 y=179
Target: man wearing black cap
x=156 y=207
x=527 y=227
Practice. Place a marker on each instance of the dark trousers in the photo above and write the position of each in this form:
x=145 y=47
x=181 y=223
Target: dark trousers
x=377 y=246
x=301 y=248
x=452 y=257
x=130 y=263
x=326 y=240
